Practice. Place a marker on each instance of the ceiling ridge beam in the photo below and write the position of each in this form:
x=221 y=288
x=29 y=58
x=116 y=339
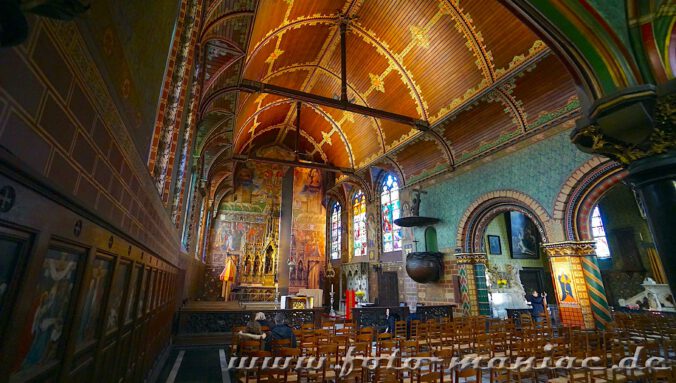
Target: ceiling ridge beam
x=295 y=163
x=259 y=87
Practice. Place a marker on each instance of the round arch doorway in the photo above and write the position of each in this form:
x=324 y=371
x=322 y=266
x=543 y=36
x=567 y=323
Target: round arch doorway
x=515 y=263
x=626 y=251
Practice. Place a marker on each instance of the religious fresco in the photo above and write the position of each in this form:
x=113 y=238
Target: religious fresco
x=246 y=229
x=91 y=311
x=40 y=341
x=308 y=231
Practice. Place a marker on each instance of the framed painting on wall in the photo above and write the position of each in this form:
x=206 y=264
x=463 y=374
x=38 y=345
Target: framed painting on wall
x=97 y=286
x=523 y=236
x=42 y=339
x=494 y=247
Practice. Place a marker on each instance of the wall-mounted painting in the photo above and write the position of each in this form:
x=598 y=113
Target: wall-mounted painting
x=117 y=293
x=42 y=337
x=523 y=235
x=494 y=247
x=96 y=288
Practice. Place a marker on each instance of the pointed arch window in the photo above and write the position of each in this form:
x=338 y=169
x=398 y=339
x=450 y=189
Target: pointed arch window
x=599 y=234
x=390 y=208
x=359 y=220
x=335 y=231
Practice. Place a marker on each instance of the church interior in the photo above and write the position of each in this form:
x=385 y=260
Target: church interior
x=383 y=178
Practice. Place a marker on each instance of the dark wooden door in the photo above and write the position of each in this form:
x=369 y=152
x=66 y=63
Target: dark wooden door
x=388 y=289
x=537 y=279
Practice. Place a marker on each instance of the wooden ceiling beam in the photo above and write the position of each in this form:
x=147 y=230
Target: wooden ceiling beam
x=259 y=87
x=295 y=163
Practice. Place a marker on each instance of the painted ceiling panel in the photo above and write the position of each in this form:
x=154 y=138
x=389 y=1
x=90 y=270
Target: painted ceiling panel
x=546 y=92
x=504 y=35
x=475 y=130
x=421 y=156
x=423 y=59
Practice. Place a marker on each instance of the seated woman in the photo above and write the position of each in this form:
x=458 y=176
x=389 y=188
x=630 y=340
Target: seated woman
x=253 y=331
x=260 y=318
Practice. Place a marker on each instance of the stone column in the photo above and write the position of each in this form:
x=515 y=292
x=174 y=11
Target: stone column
x=285 y=230
x=473 y=289
x=637 y=128
x=577 y=280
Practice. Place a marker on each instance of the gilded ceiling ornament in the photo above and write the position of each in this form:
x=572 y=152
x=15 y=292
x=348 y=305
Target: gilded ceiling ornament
x=274 y=56
x=420 y=37
x=377 y=82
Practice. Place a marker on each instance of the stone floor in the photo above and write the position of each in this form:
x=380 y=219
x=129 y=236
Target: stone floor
x=195 y=364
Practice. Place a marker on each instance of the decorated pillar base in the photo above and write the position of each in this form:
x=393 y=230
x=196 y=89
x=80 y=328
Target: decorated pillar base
x=473 y=289
x=577 y=279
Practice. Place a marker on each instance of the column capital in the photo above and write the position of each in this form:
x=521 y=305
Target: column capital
x=570 y=249
x=471 y=258
x=635 y=123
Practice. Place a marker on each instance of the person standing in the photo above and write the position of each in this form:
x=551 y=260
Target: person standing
x=538 y=302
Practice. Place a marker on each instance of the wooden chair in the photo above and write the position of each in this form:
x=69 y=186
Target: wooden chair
x=365 y=338
x=330 y=353
x=384 y=336
x=400 y=329
x=248 y=347
x=414 y=328
x=467 y=375
x=276 y=344
x=385 y=347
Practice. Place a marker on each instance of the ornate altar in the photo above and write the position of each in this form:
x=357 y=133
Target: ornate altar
x=257 y=264
x=505 y=289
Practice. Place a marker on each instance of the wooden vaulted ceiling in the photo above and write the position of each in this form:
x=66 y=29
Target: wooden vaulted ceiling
x=471 y=70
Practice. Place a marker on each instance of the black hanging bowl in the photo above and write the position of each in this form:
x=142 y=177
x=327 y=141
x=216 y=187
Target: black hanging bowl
x=415 y=221
x=425 y=267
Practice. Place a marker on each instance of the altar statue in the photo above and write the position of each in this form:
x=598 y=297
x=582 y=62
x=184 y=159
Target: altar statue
x=228 y=276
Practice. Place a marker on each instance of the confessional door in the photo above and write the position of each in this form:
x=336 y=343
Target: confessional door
x=388 y=288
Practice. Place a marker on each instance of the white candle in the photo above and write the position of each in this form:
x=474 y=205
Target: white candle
x=332 y=287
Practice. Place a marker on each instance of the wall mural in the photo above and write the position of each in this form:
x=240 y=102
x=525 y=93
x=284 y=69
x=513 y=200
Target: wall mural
x=308 y=231
x=246 y=231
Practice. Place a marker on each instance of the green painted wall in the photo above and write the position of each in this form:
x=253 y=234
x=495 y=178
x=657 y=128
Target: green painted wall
x=538 y=170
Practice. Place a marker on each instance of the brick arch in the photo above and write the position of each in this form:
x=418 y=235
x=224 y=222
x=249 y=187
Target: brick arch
x=485 y=208
x=583 y=189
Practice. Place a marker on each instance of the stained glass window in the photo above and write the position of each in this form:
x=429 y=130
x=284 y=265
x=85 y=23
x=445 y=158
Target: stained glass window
x=359 y=217
x=335 y=231
x=390 y=207
x=599 y=234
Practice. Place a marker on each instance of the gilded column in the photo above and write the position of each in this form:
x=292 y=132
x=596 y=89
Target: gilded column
x=579 y=287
